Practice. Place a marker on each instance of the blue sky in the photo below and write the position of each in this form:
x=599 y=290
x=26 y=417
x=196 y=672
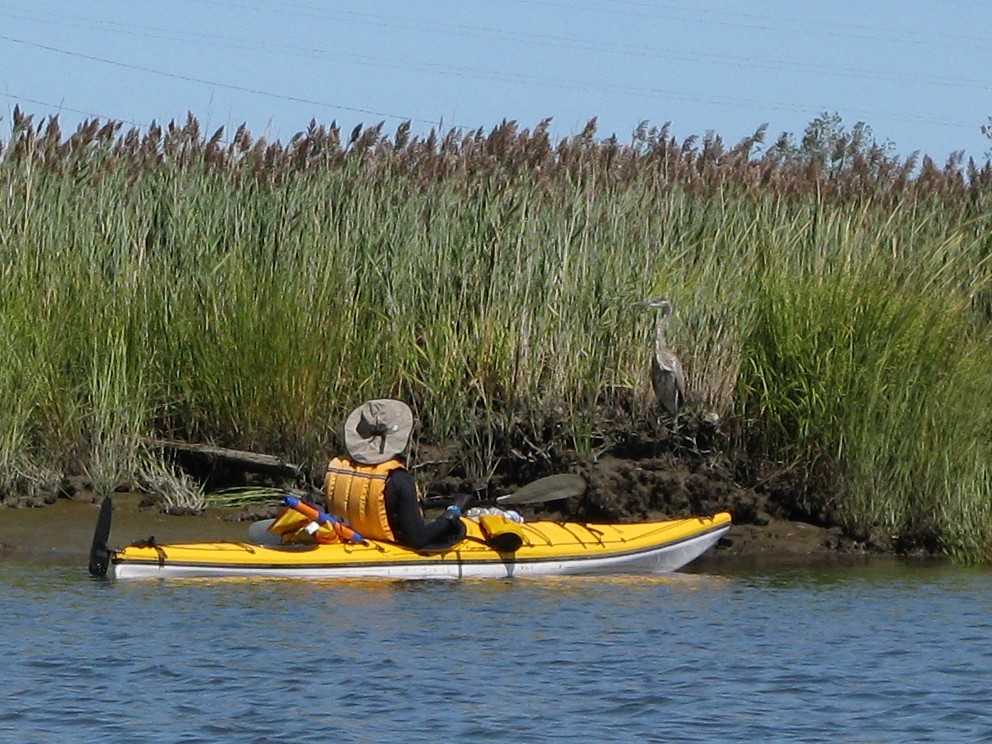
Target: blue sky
x=916 y=71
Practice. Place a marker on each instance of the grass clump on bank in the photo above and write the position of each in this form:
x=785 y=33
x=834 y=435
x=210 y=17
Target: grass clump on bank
x=831 y=305
x=876 y=379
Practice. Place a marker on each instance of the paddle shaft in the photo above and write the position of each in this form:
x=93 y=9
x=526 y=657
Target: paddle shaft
x=310 y=512
x=551 y=488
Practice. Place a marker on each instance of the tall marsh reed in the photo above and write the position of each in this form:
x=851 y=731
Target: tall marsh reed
x=252 y=293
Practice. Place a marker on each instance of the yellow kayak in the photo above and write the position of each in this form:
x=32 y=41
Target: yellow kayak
x=537 y=548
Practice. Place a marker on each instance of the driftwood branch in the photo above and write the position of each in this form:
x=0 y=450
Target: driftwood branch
x=252 y=462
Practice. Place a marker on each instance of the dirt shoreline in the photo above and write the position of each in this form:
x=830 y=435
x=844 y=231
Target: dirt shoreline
x=63 y=532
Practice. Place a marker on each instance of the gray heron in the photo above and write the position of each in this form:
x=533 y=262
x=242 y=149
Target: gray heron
x=667 y=376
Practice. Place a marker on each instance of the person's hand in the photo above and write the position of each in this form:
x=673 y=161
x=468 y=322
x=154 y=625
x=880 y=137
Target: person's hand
x=453 y=512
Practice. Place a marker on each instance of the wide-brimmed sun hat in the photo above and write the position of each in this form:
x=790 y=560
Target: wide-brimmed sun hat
x=378 y=430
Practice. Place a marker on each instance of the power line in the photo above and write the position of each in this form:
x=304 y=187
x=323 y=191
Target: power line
x=759 y=22
x=563 y=41
x=228 y=86
x=558 y=83
x=573 y=43
x=569 y=43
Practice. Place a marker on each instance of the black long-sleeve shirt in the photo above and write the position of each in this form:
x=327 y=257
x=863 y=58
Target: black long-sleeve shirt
x=406 y=518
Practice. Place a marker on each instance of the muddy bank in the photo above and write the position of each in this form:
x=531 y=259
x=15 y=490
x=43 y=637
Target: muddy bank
x=64 y=530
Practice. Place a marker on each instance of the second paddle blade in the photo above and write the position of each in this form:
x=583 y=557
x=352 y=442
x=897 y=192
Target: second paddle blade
x=552 y=488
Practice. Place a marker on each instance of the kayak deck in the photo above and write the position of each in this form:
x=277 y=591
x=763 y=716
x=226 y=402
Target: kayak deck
x=549 y=548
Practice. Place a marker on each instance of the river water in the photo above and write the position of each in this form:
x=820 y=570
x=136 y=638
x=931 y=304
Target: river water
x=878 y=652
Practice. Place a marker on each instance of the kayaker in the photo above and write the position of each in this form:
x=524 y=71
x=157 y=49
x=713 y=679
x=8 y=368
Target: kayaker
x=372 y=489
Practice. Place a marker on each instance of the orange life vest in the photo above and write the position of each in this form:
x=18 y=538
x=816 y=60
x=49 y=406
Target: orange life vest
x=357 y=494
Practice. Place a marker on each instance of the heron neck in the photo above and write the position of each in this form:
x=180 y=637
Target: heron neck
x=661 y=328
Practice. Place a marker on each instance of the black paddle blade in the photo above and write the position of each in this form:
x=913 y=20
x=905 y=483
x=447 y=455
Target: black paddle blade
x=99 y=552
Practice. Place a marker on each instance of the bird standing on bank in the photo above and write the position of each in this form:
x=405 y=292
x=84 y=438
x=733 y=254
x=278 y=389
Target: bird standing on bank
x=667 y=376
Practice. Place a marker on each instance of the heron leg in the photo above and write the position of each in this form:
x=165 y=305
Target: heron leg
x=661 y=429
